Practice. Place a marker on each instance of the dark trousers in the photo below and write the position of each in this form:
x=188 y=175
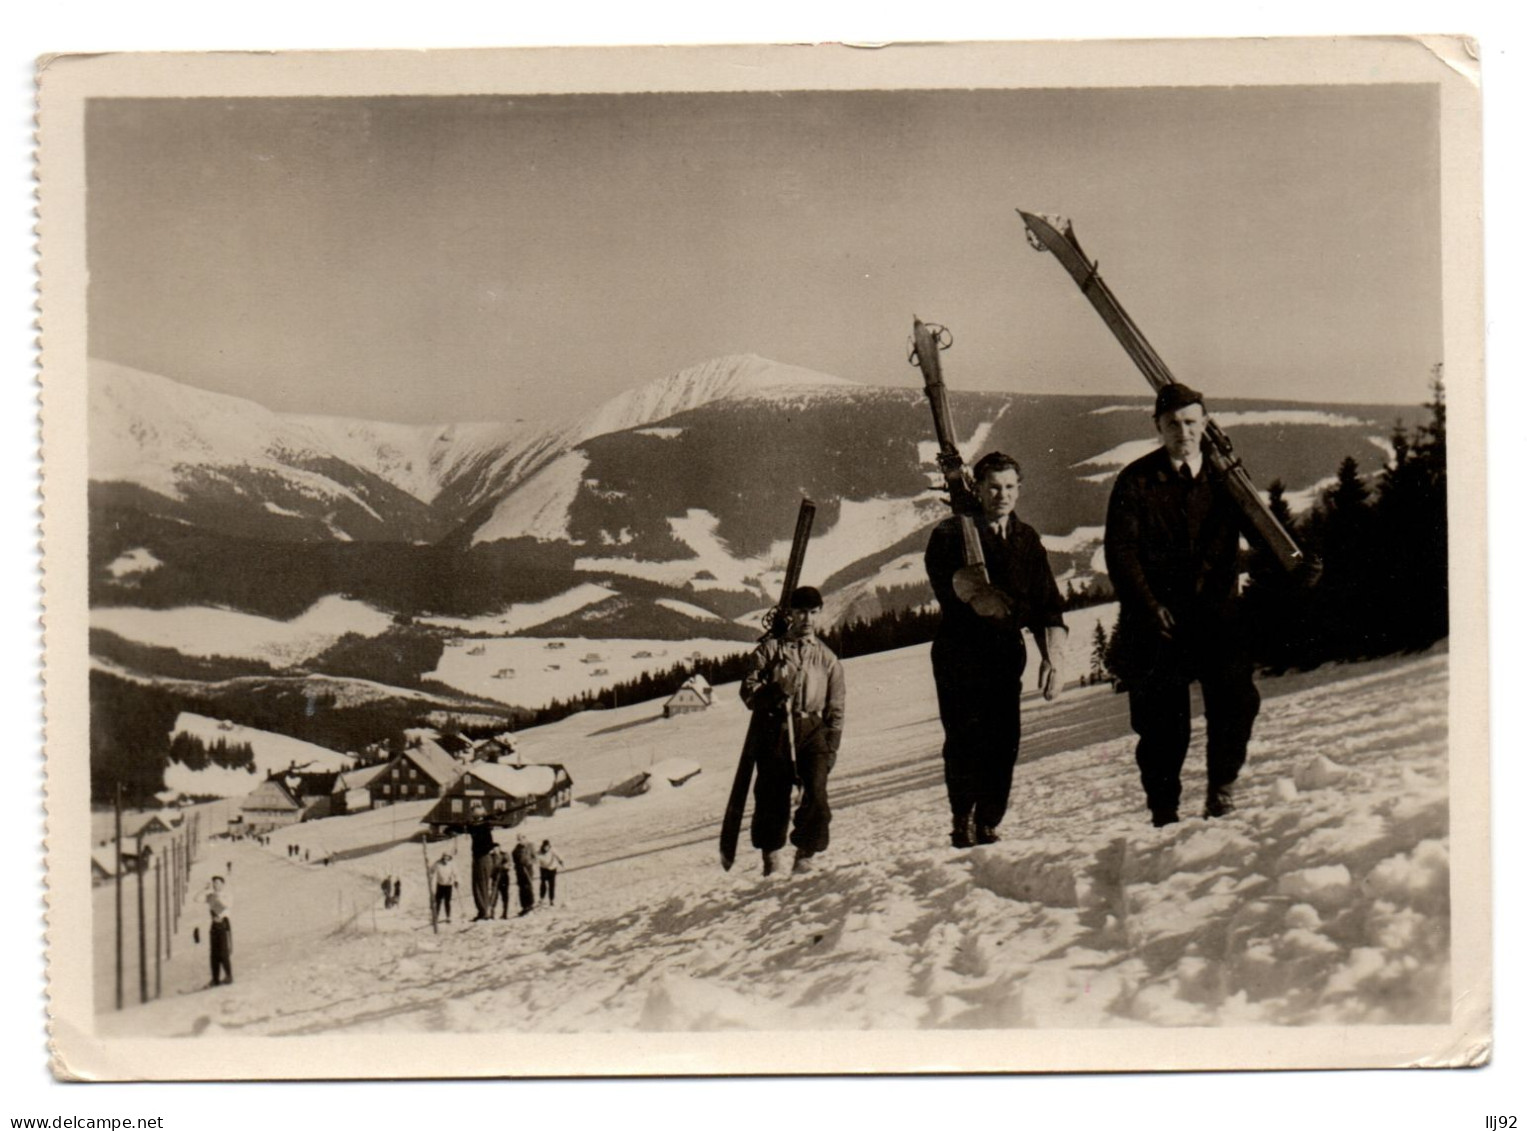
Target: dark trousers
x=221 y=939
x=548 y=885
x=1160 y=711
x=482 y=885
x=978 y=704
x=527 y=892
x=777 y=778
x=500 y=893
x=443 y=900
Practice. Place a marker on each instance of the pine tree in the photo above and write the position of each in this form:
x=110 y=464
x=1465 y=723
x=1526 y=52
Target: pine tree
x=1099 y=650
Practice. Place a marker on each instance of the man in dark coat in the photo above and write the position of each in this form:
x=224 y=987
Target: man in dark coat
x=979 y=654
x=1172 y=542
x=479 y=829
x=524 y=860
x=795 y=688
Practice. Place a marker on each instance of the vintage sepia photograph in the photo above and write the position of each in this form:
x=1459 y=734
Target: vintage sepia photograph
x=944 y=554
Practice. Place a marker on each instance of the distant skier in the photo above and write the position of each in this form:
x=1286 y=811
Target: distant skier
x=220 y=932
x=548 y=863
x=1172 y=542
x=444 y=877
x=979 y=654
x=524 y=873
x=794 y=686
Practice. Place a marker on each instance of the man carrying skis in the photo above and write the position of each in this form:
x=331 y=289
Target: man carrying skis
x=978 y=652
x=794 y=687
x=1172 y=542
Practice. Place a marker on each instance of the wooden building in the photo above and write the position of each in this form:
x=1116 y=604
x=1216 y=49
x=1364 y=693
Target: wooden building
x=352 y=788
x=508 y=794
x=269 y=806
x=418 y=774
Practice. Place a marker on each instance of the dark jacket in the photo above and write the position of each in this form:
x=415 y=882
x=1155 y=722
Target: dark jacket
x=1017 y=565
x=1174 y=545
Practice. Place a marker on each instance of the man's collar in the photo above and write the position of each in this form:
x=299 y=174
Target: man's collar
x=1195 y=462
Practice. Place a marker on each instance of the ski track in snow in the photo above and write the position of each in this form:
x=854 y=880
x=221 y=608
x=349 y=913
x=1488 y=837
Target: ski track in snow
x=1324 y=902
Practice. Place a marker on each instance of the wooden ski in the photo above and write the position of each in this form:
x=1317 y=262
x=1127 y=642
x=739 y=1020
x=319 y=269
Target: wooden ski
x=1054 y=234
x=775 y=624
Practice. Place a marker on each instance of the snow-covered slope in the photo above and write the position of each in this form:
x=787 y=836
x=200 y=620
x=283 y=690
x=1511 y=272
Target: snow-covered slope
x=1322 y=901
x=422 y=459
x=195 y=631
x=145 y=428
x=729 y=376
x=272 y=752
x=227 y=462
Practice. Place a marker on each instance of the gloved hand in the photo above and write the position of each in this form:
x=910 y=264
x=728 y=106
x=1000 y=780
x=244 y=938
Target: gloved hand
x=972 y=588
x=786 y=678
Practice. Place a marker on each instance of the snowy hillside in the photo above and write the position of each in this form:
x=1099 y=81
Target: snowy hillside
x=422 y=459
x=195 y=631
x=232 y=464
x=271 y=752
x=730 y=376
x=1322 y=901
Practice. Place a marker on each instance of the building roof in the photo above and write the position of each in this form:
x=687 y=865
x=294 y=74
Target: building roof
x=311 y=783
x=271 y=793
x=517 y=781
x=359 y=779
x=433 y=762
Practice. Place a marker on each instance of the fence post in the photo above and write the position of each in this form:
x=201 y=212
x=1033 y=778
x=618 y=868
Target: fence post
x=117 y=883
x=142 y=930
x=158 y=930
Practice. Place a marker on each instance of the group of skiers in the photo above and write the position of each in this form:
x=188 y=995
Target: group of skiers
x=492 y=871
x=1171 y=544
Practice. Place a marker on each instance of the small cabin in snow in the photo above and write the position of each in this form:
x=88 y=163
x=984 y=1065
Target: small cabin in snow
x=695 y=695
x=499 y=748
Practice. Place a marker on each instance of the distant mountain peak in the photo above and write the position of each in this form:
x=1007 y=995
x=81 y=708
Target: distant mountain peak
x=730 y=375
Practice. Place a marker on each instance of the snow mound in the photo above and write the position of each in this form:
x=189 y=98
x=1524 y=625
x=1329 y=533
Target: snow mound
x=1319 y=773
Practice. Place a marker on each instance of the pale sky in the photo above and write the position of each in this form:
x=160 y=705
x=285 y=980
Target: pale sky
x=442 y=259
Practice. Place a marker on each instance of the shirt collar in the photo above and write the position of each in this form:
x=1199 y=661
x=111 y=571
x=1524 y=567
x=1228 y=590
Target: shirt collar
x=1195 y=462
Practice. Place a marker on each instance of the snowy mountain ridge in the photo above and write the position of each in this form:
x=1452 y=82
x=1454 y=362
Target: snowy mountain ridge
x=148 y=430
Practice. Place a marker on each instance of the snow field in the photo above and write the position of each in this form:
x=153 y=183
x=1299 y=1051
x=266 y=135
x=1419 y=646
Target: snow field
x=1331 y=908
x=202 y=631
x=527 y=614
x=271 y=752
x=531 y=672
